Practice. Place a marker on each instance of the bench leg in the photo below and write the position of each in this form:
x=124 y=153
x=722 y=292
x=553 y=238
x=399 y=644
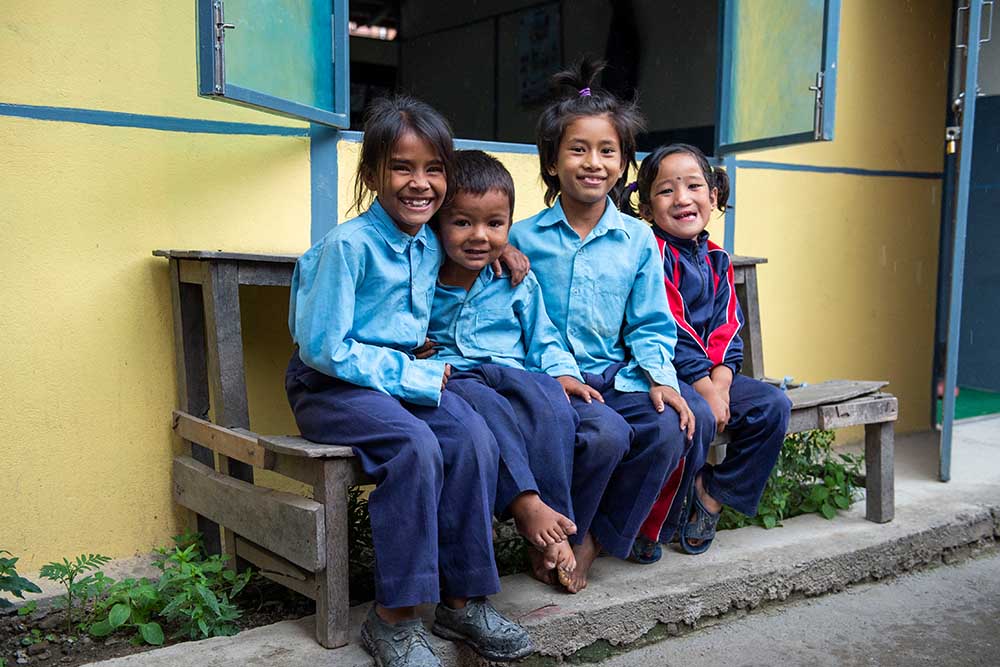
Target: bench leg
x=332 y=601
x=880 y=494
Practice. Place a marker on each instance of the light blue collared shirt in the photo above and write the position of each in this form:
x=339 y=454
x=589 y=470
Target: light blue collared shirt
x=361 y=300
x=604 y=293
x=497 y=323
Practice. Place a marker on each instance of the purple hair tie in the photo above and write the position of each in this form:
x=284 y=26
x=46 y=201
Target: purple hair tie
x=585 y=92
x=632 y=187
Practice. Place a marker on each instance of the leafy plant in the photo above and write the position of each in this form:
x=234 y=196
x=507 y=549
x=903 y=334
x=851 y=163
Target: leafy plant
x=199 y=593
x=11 y=582
x=35 y=636
x=67 y=573
x=809 y=477
x=130 y=603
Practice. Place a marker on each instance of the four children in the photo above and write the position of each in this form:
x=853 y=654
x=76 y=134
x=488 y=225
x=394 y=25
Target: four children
x=564 y=400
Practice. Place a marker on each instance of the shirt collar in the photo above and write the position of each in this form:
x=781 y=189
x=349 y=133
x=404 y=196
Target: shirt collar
x=689 y=245
x=396 y=238
x=611 y=219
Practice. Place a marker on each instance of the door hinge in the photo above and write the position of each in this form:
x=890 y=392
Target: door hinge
x=219 y=19
x=818 y=107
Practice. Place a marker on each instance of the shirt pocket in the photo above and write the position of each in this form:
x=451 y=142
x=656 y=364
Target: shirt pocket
x=498 y=331
x=608 y=308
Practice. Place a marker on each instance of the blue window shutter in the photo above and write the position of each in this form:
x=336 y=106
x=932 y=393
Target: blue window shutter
x=288 y=57
x=773 y=55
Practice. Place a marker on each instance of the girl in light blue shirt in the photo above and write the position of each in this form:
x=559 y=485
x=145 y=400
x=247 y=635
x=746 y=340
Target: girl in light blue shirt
x=602 y=281
x=360 y=304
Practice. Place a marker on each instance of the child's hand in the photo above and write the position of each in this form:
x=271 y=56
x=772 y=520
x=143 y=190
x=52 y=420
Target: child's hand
x=516 y=261
x=661 y=395
x=574 y=387
x=425 y=351
x=720 y=408
x=447 y=374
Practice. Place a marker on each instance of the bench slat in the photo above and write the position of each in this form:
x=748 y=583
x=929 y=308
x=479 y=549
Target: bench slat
x=238 y=444
x=293 y=445
x=289 y=525
x=832 y=391
x=869 y=410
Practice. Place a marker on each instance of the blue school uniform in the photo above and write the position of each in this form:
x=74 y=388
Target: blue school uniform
x=493 y=335
x=701 y=293
x=360 y=300
x=604 y=294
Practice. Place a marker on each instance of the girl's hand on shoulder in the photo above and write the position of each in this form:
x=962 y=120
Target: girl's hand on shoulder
x=574 y=387
x=425 y=351
x=447 y=374
x=517 y=263
x=662 y=395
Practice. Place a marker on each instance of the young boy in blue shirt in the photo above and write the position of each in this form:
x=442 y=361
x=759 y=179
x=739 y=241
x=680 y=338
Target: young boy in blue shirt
x=556 y=455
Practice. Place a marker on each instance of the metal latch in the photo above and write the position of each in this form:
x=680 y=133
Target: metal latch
x=952 y=134
x=219 y=18
x=818 y=108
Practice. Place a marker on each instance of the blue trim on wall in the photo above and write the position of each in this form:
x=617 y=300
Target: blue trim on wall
x=323 y=181
x=853 y=171
x=466 y=144
x=146 y=122
x=729 y=237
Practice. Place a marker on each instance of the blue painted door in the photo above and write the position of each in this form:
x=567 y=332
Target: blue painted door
x=979 y=348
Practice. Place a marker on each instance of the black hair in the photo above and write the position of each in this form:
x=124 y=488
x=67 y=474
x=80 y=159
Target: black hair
x=716 y=179
x=476 y=173
x=581 y=97
x=386 y=120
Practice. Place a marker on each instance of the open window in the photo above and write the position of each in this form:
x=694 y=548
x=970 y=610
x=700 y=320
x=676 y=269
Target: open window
x=288 y=57
x=777 y=73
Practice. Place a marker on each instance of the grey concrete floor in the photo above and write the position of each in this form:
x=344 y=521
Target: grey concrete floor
x=750 y=568
x=949 y=615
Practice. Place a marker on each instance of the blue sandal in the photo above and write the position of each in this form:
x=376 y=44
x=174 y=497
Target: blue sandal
x=701 y=528
x=645 y=551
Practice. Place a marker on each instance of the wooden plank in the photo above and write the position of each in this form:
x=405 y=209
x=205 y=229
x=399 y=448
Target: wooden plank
x=192 y=377
x=332 y=600
x=866 y=410
x=297 y=468
x=238 y=444
x=880 y=504
x=224 y=334
x=192 y=272
x=266 y=274
x=746 y=260
x=832 y=391
x=289 y=525
x=803 y=419
x=294 y=445
x=277 y=569
x=219 y=255
x=753 y=350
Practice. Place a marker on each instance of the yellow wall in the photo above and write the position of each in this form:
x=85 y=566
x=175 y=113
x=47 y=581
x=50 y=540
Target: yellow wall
x=88 y=369
x=849 y=290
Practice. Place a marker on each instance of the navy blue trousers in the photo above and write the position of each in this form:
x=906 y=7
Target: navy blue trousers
x=657 y=446
x=565 y=452
x=435 y=471
x=758 y=419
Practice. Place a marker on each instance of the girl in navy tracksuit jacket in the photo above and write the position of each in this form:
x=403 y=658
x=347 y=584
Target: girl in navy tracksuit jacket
x=678 y=190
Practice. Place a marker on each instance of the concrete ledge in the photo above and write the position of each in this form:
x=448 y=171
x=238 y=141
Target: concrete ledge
x=627 y=603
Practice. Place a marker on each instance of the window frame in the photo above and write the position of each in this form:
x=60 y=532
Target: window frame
x=211 y=70
x=829 y=53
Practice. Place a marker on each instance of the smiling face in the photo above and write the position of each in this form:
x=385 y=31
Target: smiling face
x=474 y=229
x=680 y=201
x=589 y=160
x=412 y=183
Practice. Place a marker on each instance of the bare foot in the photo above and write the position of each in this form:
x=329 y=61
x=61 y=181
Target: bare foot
x=540 y=568
x=710 y=503
x=537 y=522
x=586 y=553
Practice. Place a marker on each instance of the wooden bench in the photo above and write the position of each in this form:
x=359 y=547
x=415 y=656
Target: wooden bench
x=302 y=542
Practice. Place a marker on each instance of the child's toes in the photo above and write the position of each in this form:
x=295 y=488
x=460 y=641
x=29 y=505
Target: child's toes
x=567 y=526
